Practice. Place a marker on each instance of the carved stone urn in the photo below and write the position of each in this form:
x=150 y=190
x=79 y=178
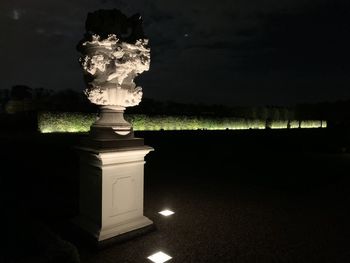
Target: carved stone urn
x=113 y=51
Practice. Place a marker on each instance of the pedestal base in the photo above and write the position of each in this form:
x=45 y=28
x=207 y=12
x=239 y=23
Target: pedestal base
x=111 y=191
x=120 y=232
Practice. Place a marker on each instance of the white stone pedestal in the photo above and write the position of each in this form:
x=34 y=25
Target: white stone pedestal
x=111 y=191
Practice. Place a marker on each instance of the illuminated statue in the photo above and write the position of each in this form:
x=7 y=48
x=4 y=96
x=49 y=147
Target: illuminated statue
x=114 y=51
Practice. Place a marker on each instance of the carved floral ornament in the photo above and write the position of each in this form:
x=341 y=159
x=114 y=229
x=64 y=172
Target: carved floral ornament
x=110 y=66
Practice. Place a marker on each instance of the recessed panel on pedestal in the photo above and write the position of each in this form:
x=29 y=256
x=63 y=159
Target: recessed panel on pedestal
x=123 y=197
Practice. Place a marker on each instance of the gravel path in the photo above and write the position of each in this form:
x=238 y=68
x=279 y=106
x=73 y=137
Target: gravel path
x=237 y=197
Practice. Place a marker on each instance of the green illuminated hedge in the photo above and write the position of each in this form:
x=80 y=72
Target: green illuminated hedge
x=81 y=122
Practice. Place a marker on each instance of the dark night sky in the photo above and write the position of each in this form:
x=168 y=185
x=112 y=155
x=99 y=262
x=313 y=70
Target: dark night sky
x=236 y=52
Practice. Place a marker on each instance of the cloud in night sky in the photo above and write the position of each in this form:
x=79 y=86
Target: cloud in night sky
x=232 y=52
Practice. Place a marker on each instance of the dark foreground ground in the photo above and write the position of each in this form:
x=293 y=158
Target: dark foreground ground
x=252 y=196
